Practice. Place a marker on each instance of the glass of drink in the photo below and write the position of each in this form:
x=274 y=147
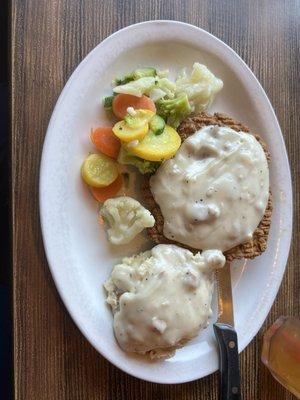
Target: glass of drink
x=281 y=352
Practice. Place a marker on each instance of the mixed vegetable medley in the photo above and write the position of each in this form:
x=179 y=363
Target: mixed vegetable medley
x=149 y=107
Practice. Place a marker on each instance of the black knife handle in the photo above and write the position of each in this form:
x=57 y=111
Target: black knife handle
x=230 y=382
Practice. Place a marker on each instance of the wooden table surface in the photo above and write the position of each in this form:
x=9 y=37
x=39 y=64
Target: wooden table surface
x=52 y=360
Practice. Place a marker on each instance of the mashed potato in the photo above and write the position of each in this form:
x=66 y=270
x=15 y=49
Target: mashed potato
x=161 y=298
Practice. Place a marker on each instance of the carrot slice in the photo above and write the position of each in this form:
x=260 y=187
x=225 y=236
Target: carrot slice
x=102 y=194
x=122 y=101
x=106 y=141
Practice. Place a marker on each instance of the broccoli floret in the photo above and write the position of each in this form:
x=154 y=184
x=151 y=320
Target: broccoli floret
x=107 y=103
x=174 y=110
x=144 y=166
x=124 y=79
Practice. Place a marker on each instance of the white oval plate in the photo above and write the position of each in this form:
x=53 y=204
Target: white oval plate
x=78 y=253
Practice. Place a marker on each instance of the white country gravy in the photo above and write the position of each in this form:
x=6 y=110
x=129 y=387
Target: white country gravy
x=162 y=297
x=215 y=190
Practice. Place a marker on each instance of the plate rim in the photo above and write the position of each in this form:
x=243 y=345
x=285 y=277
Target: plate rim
x=56 y=279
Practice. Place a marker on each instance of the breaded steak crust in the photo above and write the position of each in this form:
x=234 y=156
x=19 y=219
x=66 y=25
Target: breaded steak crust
x=249 y=249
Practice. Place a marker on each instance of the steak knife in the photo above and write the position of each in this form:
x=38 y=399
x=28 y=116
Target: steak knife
x=230 y=383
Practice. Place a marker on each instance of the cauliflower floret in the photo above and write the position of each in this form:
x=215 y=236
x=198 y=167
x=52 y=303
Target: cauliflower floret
x=126 y=217
x=201 y=86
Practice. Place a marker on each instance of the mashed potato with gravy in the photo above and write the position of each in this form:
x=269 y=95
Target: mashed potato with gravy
x=162 y=298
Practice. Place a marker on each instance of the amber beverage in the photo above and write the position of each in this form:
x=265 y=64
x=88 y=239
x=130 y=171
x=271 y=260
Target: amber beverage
x=281 y=352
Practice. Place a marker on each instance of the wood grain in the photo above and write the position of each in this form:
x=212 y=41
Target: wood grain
x=52 y=360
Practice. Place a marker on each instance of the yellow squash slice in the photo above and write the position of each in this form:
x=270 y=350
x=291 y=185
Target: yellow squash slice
x=99 y=170
x=157 y=147
x=140 y=118
x=127 y=134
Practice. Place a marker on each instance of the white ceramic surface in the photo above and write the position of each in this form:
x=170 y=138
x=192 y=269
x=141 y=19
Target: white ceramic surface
x=78 y=253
